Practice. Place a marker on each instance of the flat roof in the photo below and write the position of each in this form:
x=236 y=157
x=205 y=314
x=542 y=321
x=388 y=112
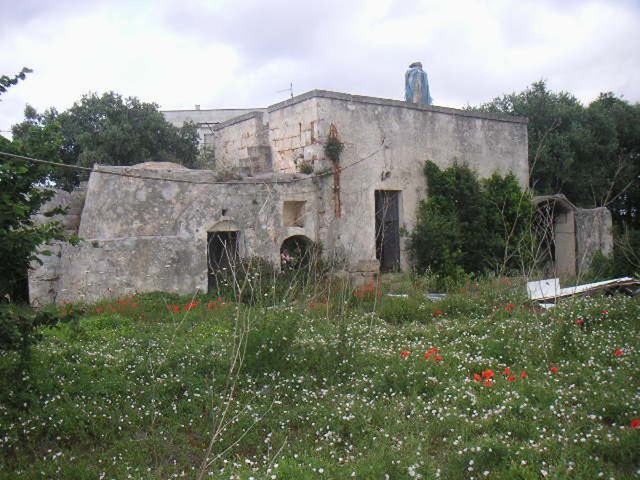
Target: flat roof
x=346 y=97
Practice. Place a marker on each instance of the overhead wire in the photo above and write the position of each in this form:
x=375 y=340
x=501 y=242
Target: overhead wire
x=183 y=180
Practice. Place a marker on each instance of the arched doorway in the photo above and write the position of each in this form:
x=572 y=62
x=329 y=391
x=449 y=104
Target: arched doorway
x=297 y=252
x=222 y=255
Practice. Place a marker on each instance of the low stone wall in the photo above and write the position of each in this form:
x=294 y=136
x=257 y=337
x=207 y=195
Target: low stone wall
x=593 y=234
x=112 y=268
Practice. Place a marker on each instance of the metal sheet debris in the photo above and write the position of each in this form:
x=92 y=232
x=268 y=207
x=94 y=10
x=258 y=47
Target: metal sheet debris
x=549 y=289
x=436 y=297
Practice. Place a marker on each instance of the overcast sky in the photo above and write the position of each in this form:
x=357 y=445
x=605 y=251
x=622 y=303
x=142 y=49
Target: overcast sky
x=241 y=53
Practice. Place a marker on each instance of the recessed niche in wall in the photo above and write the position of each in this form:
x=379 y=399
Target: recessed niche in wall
x=293 y=213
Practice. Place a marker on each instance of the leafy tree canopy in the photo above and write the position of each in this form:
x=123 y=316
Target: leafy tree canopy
x=591 y=154
x=106 y=129
x=22 y=194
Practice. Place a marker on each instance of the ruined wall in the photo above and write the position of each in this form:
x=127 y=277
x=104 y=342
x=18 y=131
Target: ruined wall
x=389 y=141
x=143 y=234
x=44 y=276
x=593 y=233
x=243 y=144
x=294 y=134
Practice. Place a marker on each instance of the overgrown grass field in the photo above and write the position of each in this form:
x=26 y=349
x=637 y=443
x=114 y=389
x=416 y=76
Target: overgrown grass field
x=479 y=385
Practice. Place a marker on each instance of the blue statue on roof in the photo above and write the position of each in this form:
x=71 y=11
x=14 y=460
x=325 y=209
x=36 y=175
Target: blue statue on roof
x=416 y=85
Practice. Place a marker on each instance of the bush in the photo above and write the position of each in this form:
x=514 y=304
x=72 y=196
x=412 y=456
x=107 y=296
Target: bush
x=17 y=329
x=470 y=226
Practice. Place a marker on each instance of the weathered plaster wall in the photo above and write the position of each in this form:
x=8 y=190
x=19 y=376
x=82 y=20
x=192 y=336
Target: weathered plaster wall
x=594 y=233
x=388 y=143
x=143 y=234
x=146 y=234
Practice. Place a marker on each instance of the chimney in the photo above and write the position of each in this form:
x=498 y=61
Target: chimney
x=197 y=107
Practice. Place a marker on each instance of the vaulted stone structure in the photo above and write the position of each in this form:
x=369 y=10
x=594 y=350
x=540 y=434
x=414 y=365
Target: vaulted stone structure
x=162 y=227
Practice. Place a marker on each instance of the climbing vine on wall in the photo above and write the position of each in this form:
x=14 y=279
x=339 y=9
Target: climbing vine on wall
x=468 y=225
x=333 y=147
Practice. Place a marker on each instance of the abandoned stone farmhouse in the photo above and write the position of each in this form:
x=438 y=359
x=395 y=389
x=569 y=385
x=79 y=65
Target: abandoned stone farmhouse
x=162 y=227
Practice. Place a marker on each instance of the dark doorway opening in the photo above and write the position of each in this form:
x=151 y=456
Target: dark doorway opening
x=222 y=253
x=296 y=252
x=388 y=229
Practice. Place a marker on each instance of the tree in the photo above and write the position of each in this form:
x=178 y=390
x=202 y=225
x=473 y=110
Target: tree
x=109 y=130
x=591 y=154
x=555 y=130
x=22 y=195
x=6 y=81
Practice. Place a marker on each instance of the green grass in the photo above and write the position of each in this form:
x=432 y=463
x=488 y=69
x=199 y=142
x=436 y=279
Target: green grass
x=132 y=390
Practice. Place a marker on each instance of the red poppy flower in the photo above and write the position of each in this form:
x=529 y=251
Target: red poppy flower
x=635 y=423
x=405 y=353
x=174 y=308
x=191 y=306
x=476 y=377
x=438 y=313
x=507 y=372
x=439 y=358
x=619 y=352
x=511 y=378
x=510 y=307
x=554 y=370
x=488 y=383
x=605 y=312
x=580 y=322
x=430 y=352
x=524 y=375
x=488 y=374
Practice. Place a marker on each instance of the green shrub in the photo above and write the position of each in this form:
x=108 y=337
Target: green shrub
x=17 y=328
x=471 y=226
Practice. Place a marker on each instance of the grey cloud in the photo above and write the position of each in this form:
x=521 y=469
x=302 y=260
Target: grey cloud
x=263 y=31
x=17 y=14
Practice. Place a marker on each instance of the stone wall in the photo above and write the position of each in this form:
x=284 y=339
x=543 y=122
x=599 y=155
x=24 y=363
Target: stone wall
x=594 y=233
x=150 y=234
x=44 y=276
x=145 y=228
x=205 y=119
x=386 y=145
x=243 y=144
